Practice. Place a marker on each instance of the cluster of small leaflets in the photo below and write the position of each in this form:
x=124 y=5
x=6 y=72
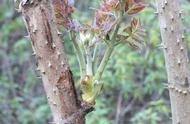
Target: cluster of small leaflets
x=114 y=23
x=110 y=15
x=108 y=20
x=63 y=10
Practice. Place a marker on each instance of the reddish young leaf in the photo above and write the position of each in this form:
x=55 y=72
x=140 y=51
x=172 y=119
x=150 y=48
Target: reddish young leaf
x=135 y=33
x=135 y=23
x=63 y=10
x=128 y=30
x=129 y=3
x=138 y=38
x=105 y=19
x=136 y=8
x=133 y=7
x=110 y=5
x=132 y=44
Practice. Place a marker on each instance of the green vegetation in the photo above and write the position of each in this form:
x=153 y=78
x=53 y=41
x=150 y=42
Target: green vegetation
x=134 y=91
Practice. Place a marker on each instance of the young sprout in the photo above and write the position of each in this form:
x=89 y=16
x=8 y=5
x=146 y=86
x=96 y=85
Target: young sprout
x=108 y=29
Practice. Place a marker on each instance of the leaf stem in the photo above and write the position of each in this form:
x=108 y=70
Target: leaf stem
x=104 y=62
x=88 y=62
x=79 y=55
x=94 y=59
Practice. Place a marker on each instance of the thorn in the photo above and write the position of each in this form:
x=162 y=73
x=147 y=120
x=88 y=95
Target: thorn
x=186 y=82
x=172 y=17
x=37 y=69
x=166 y=2
x=176 y=89
x=43 y=72
x=27 y=37
x=183 y=37
x=34 y=31
x=59 y=33
x=54 y=104
x=165 y=84
x=165 y=47
x=49 y=65
x=165 y=28
x=178 y=122
x=172 y=29
x=180 y=14
x=33 y=54
x=178 y=41
x=181 y=48
x=163 y=7
x=179 y=62
x=180 y=91
x=39 y=77
x=62 y=63
x=162 y=46
x=156 y=12
x=58 y=54
x=54 y=90
x=185 y=92
x=170 y=86
x=166 y=87
x=54 y=45
x=32 y=1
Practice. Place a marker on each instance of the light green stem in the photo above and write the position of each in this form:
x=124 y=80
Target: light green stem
x=80 y=56
x=89 y=62
x=104 y=62
x=94 y=59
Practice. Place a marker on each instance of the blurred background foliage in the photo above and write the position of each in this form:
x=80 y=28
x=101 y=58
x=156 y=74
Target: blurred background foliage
x=133 y=92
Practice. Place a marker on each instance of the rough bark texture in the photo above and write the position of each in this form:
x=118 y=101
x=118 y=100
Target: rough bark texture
x=176 y=59
x=52 y=63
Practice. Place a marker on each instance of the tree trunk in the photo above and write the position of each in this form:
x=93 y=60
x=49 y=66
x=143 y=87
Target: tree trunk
x=52 y=63
x=176 y=59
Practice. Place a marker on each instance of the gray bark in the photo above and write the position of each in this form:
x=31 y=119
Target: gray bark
x=52 y=63
x=176 y=59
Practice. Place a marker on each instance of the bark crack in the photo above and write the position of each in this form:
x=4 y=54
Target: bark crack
x=47 y=30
